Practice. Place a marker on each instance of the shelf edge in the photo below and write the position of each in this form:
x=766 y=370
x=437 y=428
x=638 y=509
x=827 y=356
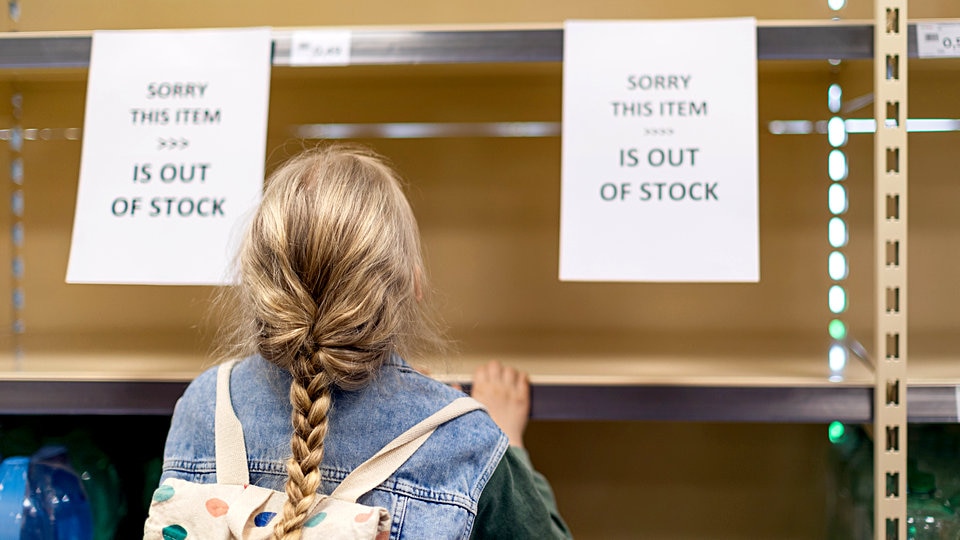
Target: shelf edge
x=776 y=40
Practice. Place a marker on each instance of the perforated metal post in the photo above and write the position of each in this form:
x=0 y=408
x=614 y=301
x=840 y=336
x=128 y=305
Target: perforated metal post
x=15 y=138
x=890 y=226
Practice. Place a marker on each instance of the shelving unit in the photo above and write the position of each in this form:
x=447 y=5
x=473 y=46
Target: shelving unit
x=732 y=375
x=741 y=377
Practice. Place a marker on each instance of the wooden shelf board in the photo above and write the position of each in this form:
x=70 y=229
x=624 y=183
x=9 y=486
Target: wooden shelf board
x=601 y=375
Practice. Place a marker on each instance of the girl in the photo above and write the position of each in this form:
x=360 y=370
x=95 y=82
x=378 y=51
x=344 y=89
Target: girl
x=329 y=302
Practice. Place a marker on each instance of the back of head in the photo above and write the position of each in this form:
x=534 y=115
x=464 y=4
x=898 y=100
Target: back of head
x=329 y=282
x=331 y=263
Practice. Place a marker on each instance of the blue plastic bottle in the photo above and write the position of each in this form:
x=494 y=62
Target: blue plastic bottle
x=100 y=480
x=60 y=508
x=13 y=487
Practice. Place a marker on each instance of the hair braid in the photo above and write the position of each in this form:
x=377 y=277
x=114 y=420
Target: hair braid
x=311 y=405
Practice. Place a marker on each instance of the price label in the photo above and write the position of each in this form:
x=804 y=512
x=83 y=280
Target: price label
x=957 y=401
x=320 y=48
x=938 y=40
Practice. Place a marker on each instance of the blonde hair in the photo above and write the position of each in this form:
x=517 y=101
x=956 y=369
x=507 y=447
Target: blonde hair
x=330 y=278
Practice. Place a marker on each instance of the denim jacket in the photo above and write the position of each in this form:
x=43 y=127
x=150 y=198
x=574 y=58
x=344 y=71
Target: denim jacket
x=433 y=495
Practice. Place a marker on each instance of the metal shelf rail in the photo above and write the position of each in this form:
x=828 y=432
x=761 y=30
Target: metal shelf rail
x=775 y=41
x=810 y=404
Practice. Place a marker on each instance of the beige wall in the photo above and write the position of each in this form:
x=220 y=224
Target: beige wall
x=686 y=481
x=489 y=210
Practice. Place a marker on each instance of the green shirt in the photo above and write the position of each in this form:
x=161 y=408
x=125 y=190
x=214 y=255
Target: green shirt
x=518 y=503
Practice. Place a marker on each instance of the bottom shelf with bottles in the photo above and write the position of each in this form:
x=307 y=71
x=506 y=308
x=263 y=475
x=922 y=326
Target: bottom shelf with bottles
x=114 y=460
x=933 y=482
x=612 y=479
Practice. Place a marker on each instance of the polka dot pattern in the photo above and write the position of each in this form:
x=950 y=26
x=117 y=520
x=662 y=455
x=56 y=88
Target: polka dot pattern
x=263 y=518
x=185 y=511
x=315 y=520
x=363 y=517
x=217 y=507
x=163 y=493
x=174 y=532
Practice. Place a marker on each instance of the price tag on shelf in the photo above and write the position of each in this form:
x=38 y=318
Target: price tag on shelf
x=938 y=40
x=320 y=48
x=957 y=401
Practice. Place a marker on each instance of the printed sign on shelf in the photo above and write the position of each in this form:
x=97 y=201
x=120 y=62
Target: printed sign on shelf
x=659 y=173
x=173 y=154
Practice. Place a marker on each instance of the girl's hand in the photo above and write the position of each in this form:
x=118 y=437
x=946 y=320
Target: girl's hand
x=505 y=392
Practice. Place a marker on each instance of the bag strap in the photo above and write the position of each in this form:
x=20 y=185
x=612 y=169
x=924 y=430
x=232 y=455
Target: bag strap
x=374 y=471
x=228 y=434
x=232 y=454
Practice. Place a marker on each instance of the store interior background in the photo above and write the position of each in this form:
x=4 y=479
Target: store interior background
x=489 y=215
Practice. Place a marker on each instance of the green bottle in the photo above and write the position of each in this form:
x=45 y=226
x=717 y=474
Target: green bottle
x=928 y=517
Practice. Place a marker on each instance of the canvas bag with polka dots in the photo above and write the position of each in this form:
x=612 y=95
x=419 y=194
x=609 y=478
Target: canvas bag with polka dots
x=232 y=508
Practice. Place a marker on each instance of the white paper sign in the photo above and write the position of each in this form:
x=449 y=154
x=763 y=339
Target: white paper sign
x=320 y=48
x=173 y=154
x=659 y=179
x=938 y=40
